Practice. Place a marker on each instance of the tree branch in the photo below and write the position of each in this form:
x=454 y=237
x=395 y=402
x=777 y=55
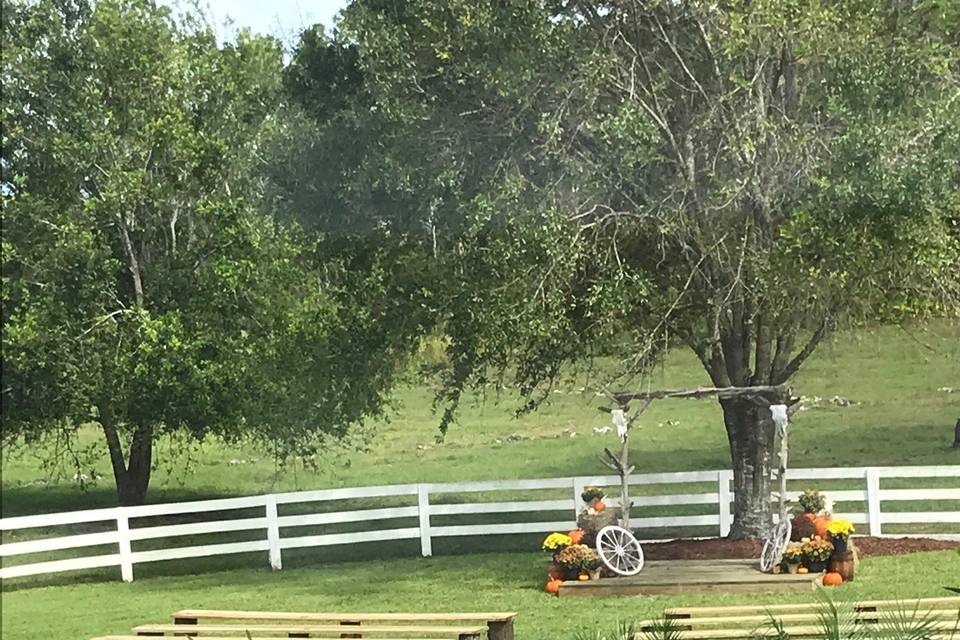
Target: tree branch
x=793 y=366
x=700 y=392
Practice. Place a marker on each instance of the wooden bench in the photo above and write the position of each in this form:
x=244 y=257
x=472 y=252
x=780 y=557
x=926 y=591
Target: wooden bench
x=206 y=624
x=798 y=620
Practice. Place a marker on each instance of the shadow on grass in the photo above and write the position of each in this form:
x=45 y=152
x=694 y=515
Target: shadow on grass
x=307 y=558
x=54 y=498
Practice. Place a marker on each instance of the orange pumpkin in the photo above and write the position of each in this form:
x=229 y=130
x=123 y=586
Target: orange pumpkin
x=576 y=536
x=803 y=570
x=820 y=527
x=553 y=586
x=832 y=579
x=583 y=576
x=599 y=507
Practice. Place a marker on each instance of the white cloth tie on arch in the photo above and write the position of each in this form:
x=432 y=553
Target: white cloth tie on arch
x=779 y=413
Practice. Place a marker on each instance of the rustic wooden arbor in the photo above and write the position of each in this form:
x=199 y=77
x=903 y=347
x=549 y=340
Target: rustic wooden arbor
x=623 y=419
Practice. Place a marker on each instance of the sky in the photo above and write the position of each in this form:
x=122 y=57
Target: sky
x=282 y=18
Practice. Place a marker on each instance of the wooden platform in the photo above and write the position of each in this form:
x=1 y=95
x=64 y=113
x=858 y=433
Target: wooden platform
x=691 y=576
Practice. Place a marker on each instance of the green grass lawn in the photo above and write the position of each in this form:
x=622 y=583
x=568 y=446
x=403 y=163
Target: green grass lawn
x=899 y=418
x=485 y=582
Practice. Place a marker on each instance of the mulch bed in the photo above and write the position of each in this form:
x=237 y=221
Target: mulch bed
x=719 y=548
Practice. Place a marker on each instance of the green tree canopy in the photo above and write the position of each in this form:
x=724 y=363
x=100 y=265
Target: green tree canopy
x=143 y=289
x=740 y=179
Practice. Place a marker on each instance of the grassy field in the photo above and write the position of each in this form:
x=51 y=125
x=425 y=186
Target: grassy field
x=900 y=415
x=488 y=582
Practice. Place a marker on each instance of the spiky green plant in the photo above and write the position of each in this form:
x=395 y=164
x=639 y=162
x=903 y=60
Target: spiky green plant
x=905 y=623
x=837 y=623
x=778 y=629
x=847 y=623
x=620 y=631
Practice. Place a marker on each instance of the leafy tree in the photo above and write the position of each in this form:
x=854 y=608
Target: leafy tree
x=143 y=290
x=740 y=179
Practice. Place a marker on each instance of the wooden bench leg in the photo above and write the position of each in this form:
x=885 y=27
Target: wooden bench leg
x=863 y=615
x=500 y=630
x=350 y=623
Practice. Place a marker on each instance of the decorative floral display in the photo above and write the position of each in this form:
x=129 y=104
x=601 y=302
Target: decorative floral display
x=592 y=493
x=812 y=501
x=556 y=542
x=577 y=558
x=819 y=542
x=793 y=554
x=840 y=529
x=816 y=549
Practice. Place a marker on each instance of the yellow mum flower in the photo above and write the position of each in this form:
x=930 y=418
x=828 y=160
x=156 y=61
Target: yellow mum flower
x=556 y=541
x=840 y=528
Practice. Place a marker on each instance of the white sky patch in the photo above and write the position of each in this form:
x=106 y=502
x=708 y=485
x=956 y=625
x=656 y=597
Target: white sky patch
x=284 y=19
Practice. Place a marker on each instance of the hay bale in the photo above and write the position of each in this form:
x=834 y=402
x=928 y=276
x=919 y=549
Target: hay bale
x=591 y=523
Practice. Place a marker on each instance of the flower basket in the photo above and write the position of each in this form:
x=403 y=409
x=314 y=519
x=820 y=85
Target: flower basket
x=816 y=566
x=840 y=532
x=839 y=546
x=578 y=559
x=816 y=553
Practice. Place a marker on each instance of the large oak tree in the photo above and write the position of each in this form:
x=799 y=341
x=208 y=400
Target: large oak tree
x=740 y=178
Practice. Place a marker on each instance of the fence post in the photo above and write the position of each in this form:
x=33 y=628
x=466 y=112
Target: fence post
x=273 y=532
x=873 y=501
x=724 y=478
x=423 y=509
x=123 y=544
x=578 y=487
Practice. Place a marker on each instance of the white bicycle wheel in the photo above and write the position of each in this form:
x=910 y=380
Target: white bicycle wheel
x=619 y=551
x=775 y=545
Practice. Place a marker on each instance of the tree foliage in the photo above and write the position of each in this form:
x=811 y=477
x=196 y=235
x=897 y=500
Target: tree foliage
x=740 y=179
x=143 y=288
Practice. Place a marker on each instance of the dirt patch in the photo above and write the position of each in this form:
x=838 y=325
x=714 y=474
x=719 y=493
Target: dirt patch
x=718 y=548
x=868 y=547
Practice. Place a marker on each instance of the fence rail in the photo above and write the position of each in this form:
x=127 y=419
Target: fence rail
x=428 y=506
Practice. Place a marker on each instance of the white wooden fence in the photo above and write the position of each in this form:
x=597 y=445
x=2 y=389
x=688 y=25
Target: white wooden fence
x=428 y=506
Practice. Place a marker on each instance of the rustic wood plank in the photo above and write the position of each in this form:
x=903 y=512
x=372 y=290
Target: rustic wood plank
x=766 y=617
x=223 y=614
x=691 y=576
x=766 y=630
x=208 y=629
x=924 y=602
x=323 y=637
x=606 y=588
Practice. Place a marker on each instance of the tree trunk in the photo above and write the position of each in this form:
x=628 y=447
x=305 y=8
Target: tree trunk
x=751 y=433
x=956 y=435
x=133 y=477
